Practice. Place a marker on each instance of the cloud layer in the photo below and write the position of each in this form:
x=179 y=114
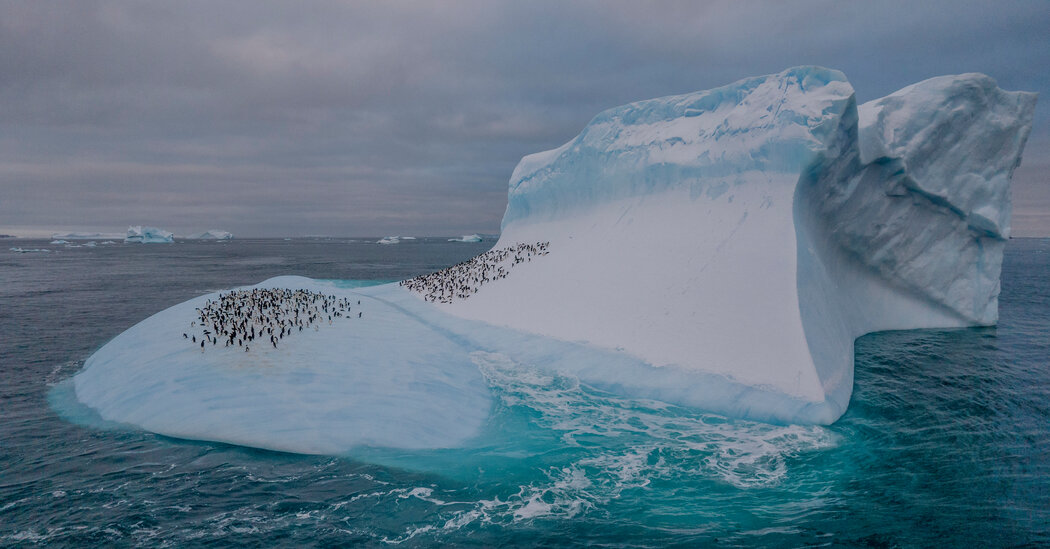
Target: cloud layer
x=347 y=118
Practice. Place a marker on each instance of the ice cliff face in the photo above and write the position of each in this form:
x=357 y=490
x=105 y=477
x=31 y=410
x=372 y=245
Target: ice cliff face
x=749 y=234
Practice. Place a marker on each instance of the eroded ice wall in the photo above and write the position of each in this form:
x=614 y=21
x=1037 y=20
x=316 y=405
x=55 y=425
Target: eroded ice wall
x=902 y=224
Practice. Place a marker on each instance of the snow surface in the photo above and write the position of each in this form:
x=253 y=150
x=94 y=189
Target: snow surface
x=800 y=222
x=148 y=235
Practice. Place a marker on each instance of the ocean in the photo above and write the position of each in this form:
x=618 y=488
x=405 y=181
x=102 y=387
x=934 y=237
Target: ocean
x=946 y=441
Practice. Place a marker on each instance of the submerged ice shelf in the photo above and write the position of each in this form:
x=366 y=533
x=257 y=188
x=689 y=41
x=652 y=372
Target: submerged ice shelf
x=800 y=221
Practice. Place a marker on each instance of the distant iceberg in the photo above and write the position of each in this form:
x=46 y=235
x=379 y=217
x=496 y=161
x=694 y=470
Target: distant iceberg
x=29 y=250
x=148 y=235
x=86 y=236
x=59 y=241
x=467 y=238
x=389 y=240
x=810 y=221
x=213 y=234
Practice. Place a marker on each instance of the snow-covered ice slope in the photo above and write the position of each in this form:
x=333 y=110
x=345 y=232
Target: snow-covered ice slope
x=390 y=378
x=752 y=232
x=720 y=249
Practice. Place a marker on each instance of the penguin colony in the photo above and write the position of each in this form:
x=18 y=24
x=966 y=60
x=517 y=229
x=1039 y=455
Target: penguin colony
x=241 y=317
x=463 y=280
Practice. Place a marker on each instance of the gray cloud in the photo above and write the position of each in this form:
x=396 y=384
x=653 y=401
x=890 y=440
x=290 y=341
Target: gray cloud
x=269 y=118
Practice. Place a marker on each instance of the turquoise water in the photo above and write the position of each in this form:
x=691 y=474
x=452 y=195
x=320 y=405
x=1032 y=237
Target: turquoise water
x=946 y=441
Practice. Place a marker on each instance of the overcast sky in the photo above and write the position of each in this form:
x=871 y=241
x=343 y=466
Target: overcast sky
x=358 y=118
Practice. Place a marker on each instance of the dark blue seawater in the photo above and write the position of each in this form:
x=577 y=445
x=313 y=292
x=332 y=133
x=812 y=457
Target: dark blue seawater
x=946 y=441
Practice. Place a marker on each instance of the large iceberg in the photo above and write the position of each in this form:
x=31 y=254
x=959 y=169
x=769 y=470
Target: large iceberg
x=801 y=223
x=148 y=235
x=721 y=249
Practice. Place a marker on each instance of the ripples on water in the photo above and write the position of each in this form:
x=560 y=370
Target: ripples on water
x=946 y=441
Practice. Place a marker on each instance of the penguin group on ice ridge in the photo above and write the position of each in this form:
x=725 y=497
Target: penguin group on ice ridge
x=463 y=280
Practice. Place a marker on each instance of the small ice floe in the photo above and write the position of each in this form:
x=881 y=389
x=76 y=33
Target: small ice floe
x=467 y=238
x=29 y=250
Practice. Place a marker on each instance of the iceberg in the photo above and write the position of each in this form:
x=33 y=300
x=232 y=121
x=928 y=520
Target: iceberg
x=812 y=220
x=467 y=238
x=86 y=236
x=212 y=234
x=60 y=241
x=29 y=250
x=807 y=221
x=148 y=235
x=389 y=240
